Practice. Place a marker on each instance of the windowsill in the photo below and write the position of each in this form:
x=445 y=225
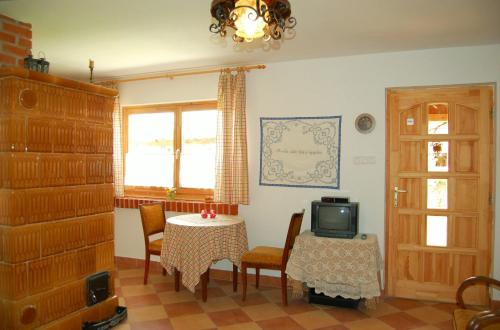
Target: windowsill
x=177 y=205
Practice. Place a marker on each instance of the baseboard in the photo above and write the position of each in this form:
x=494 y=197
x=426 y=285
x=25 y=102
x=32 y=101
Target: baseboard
x=216 y=274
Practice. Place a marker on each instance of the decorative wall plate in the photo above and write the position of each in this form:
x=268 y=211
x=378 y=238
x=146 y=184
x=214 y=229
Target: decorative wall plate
x=365 y=123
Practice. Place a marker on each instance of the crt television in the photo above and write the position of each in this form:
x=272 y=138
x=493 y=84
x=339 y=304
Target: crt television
x=339 y=220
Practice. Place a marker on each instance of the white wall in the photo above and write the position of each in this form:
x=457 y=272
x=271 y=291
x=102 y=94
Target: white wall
x=344 y=86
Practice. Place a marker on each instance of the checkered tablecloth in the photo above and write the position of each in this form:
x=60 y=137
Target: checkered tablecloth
x=191 y=244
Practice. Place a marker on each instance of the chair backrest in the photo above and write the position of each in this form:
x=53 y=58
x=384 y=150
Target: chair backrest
x=293 y=231
x=153 y=219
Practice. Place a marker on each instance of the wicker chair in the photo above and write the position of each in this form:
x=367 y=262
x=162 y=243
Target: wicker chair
x=468 y=319
x=271 y=258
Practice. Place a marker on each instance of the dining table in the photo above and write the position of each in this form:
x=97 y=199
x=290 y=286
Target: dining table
x=191 y=244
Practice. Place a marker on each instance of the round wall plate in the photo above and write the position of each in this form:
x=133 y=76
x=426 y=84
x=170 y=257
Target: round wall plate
x=365 y=123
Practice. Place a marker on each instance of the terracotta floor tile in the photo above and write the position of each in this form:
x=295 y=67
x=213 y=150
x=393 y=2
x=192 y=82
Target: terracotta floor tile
x=334 y=327
x=130 y=273
x=136 y=290
x=381 y=309
x=131 y=281
x=445 y=325
x=149 y=308
x=401 y=321
x=448 y=308
x=368 y=323
x=297 y=306
x=122 y=326
x=219 y=304
x=141 y=301
x=403 y=304
x=429 y=314
x=345 y=314
x=314 y=319
x=285 y=323
x=211 y=292
x=163 y=324
x=191 y=322
x=251 y=299
x=229 y=317
x=183 y=308
x=427 y=327
x=263 y=311
x=241 y=326
x=147 y=313
x=175 y=297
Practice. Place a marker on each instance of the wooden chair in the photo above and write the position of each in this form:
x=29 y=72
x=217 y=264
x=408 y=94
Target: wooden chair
x=271 y=258
x=153 y=222
x=468 y=319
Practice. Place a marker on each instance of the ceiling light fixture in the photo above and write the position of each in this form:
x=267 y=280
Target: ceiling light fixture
x=252 y=19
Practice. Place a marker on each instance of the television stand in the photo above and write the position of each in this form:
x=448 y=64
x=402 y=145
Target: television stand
x=338 y=301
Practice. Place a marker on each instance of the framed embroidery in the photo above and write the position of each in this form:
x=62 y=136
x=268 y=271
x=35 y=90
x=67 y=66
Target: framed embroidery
x=300 y=152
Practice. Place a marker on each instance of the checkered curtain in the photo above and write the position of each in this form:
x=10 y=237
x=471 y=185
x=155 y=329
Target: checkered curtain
x=231 y=181
x=117 y=143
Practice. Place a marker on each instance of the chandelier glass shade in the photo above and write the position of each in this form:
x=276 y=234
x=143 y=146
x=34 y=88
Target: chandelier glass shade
x=252 y=19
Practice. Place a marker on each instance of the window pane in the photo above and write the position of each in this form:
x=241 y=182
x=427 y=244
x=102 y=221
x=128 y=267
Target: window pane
x=437 y=156
x=437 y=230
x=437 y=193
x=149 y=160
x=198 y=149
x=437 y=114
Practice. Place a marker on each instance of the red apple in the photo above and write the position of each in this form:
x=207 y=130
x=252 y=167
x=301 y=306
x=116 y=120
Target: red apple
x=204 y=215
x=212 y=215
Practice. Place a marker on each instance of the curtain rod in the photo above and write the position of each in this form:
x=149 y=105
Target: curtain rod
x=185 y=73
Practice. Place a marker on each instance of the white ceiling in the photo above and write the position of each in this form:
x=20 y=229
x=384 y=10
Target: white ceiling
x=131 y=37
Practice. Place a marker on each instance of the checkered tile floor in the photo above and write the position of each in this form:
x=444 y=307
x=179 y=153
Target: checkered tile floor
x=158 y=306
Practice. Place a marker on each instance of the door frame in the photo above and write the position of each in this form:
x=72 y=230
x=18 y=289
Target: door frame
x=388 y=190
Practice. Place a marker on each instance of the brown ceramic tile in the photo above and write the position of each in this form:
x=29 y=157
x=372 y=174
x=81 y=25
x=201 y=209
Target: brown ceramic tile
x=296 y=306
x=137 y=290
x=219 y=304
x=263 y=311
x=429 y=314
x=147 y=313
x=401 y=321
x=372 y=324
x=190 y=322
x=132 y=281
x=279 y=323
x=314 y=319
x=141 y=301
x=229 y=317
x=183 y=308
x=162 y=324
x=211 y=292
x=403 y=304
x=251 y=299
x=164 y=287
x=346 y=314
x=158 y=306
x=445 y=325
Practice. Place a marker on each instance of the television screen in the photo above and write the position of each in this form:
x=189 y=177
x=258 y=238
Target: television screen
x=334 y=218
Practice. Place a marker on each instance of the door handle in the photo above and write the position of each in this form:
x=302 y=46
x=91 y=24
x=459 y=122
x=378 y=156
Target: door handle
x=396 y=193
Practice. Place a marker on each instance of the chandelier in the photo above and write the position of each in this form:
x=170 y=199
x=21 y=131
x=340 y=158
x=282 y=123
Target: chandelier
x=252 y=19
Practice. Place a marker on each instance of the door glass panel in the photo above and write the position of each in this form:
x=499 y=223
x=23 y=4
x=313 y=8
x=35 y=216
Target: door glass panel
x=437 y=193
x=150 y=159
x=199 y=130
x=437 y=230
x=437 y=117
x=437 y=156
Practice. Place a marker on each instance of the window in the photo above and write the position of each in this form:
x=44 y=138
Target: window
x=170 y=145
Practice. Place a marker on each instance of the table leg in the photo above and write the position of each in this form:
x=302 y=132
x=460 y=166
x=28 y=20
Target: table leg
x=235 y=278
x=177 y=279
x=204 y=282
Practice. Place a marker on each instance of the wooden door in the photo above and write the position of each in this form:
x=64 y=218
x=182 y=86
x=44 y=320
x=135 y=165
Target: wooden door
x=440 y=154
